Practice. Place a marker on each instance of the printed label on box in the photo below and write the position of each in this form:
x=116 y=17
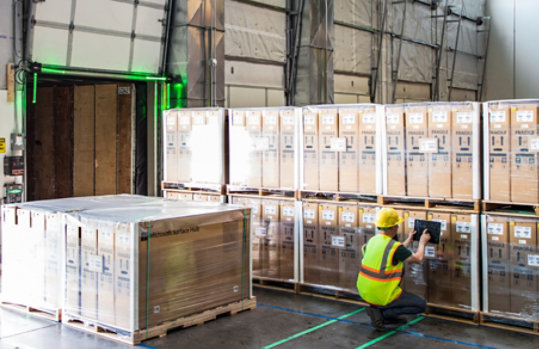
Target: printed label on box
x=442 y=222
x=261 y=231
x=270 y=118
x=533 y=260
x=288 y=211
x=309 y=214
x=495 y=229
x=439 y=116
x=237 y=119
x=497 y=116
x=411 y=222
x=338 y=144
x=428 y=145
x=253 y=120
x=309 y=119
x=524 y=116
x=171 y=120
x=156 y=309
x=199 y=120
x=392 y=118
x=464 y=227
x=464 y=118
x=368 y=218
x=261 y=143
x=328 y=119
x=369 y=118
x=95 y=263
x=415 y=118
x=347 y=217
x=464 y=236
x=337 y=241
x=288 y=120
x=328 y=215
x=523 y=232
x=534 y=144
x=348 y=119
x=270 y=209
x=495 y=238
x=430 y=251
x=522 y=242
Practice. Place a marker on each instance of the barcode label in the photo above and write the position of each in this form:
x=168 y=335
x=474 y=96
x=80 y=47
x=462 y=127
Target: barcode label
x=338 y=144
x=495 y=229
x=464 y=118
x=348 y=119
x=497 y=116
x=534 y=143
x=439 y=116
x=308 y=214
x=288 y=211
x=415 y=118
x=369 y=118
x=328 y=215
x=261 y=231
x=464 y=227
x=392 y=118
x=309 y=119
x=368 y=218
x=347 y=217
x=430 y=251
x=524 y=116
x=533 y=260
x=270 y=209
x=428 y=145
x=523 y=232
x=337 y=241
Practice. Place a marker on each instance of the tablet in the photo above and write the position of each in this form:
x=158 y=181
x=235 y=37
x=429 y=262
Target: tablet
x=434 y=229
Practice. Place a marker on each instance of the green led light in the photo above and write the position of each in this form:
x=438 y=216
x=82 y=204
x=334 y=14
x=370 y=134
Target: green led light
x=135 y=76
x=34 y=95
x=52 y=71
x=177 y=94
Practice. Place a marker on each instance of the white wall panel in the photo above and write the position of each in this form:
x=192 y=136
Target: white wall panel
x=103 y=51
x=254 y=74
x=356 y=12
x=239 y=97
x=58 y=11
x=148 y=21
x=352 y=50
x=50 y=45
x=341 y=98
x=351 y=84
x=104 y=14
x=275 y=98
x=144 y=57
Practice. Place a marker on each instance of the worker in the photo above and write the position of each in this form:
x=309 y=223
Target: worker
x=381 y=272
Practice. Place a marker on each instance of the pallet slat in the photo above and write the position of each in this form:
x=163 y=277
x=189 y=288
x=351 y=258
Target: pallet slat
x=194 y=187
x=510 y=323
x=49 y=314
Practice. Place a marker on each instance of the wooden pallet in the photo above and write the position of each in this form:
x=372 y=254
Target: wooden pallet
x=243 y=190
x=161 y=330
x=510 y=207
x=330 y=292
x=510 y=323
x=335 y=195
x=430 y=203
x=451 y=313
x=48 y=314
x=275 y=284
x=194 y=187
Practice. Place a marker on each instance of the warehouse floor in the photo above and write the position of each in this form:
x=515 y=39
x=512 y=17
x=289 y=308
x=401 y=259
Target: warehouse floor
x=281 y=319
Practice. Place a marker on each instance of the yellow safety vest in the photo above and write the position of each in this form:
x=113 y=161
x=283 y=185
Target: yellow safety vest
x=378 y=279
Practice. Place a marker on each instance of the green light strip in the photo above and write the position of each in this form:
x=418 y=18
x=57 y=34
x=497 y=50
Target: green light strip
x=34 y=95
x=384 y=336
x=51 y=70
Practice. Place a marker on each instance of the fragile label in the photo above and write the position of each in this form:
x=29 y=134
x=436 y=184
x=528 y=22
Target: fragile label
x=338 y=144
x=439 y=116
x=261 y=231
x=524 y=116
x=497 y=116
x=270 y=209
x=430 y=251
x=369 y=118
x=328 y=119
x=534 y=144
x=348 y=119
x=464 y=118
x=347 y=217
x=288 y=211
x=261 y=143
x=95 y=263
x=495 y=229
x=533 y=260
x=368 y=218
x=337 y=241
x=464 y=227
x=328 y=215
x=415 y=118
x=309 y=119
x=392 y=118
x=308 y=214
x=523 y=232
x=237 y=119
x=428 y=145
x=288 y=120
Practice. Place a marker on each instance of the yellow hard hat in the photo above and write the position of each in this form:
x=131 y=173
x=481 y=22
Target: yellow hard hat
x=387 y=218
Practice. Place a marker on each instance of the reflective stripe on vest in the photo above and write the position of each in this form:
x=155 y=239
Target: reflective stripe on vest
x=382 y=274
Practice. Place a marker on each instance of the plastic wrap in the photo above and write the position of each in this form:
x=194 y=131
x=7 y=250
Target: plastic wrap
x=134 y=267
x=193 y=196
x=264 y=147
x=511 y=141
x=193 y=147
x=432 y=150
x=510 y=265
x=340 y=148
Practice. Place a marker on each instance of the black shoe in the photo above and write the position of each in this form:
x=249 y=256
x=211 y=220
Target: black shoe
x=395 y=321
x=377 y=319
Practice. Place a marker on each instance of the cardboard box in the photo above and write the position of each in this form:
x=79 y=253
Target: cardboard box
x=171 y=146
x=270 y=155
x=73 y=270
x=245 y=148
x=311 y=243
x=36 y=242
x=185 y=120
x=106 y=275
x=258 y=229
x=416 y=159
x=463 y=141
x=287 y=148
x=524 y=148
x=124 y=277
x=367 y=151
x=499 y=148
x=329 y=158
x=287 y=240
x=350 y=261
x=499 y=286
x=462 y=230
x=53 y=243
x=270 y=242
x=415 y=275
x=348 y=160
x=396 y=151
x=440 y=162
x=330 y=242
x=311 y=179
x=439 y=262
x=367 y=228
x=91 y=264
x=524 y=288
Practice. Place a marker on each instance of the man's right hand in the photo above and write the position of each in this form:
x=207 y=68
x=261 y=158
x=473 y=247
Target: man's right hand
x=425 y=237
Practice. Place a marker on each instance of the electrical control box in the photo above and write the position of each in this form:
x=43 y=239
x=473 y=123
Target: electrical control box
x=13 y=193
x=14 y=165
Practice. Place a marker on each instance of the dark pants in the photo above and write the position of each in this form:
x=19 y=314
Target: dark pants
x=407 y=303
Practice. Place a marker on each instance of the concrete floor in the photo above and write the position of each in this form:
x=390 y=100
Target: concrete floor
x=281 y=317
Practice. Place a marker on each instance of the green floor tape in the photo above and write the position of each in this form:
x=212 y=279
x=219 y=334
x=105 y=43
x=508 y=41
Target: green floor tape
x=384 y=336
x=312 y=329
